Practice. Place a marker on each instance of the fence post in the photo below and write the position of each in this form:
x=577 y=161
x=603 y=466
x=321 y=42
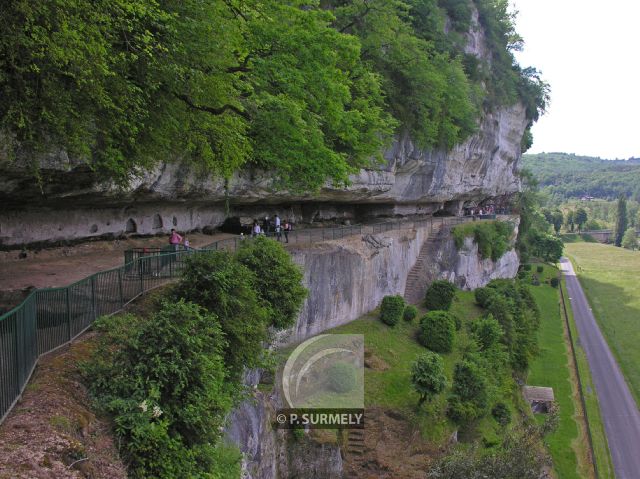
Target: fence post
x=141 y=280
x=120 y=287
x=68 y=314
x=93 y=296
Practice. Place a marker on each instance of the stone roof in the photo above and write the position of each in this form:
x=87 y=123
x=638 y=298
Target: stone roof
x=539 y=394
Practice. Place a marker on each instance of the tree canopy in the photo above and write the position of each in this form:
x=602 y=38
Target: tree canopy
x=309 y=90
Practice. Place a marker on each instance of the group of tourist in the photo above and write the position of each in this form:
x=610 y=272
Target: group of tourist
x=272 y=226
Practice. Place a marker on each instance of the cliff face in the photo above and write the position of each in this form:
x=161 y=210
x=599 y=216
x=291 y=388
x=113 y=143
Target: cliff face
x=347 y=278
x=72 y=203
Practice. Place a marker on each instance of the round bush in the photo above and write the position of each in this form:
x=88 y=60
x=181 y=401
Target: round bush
x=483 y=296
x=342 y=377
x=410 y=312
x=540 y=269
x=439 y=295
x=391 y=309
x=437 y=331
x=501 y=413
x=527 y=267
x=554 y=282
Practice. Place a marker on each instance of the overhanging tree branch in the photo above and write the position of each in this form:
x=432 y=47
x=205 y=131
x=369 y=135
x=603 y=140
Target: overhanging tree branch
x=214 y=111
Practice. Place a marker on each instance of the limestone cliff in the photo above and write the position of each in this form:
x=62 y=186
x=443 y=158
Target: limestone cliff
x=347 y=278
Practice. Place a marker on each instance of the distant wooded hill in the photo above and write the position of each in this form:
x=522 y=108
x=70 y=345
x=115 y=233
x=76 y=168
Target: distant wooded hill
x=565 y=176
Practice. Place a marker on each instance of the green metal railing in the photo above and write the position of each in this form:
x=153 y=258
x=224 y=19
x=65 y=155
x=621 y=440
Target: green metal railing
x=52 y=317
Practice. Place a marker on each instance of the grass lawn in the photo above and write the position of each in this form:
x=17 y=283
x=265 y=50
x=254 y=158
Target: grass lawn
x=568 y=444
x=609 y=277
x=392 y=388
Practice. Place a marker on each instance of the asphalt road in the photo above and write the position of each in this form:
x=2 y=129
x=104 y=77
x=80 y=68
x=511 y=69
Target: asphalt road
x=619 y=411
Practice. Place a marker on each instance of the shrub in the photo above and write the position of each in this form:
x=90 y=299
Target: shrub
x=554 y=282
x=342 y=377
x=483 y=296
x=410 y=312
x=437 y=331
x=164 y=381
x=219 y=283
x=277 y=279
x=501 y=413
x=540 y=268
x=427 y=376
x=487 y=332
x=491 y=237
x=470 y=393
x=535 y=281
x=391 y=309
x=526 y=267
x=439 y=295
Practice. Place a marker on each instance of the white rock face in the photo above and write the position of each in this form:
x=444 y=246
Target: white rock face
x=348 y=278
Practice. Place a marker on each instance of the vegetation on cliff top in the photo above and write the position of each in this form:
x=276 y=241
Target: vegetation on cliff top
x=310 y=90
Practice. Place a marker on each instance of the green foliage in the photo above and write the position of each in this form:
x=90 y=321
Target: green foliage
x=501 y=413
x=164 y=381
x=540 y=268
x=554 y=282
x=119 y=84
x=515 y=310
x=563 y=176
x=630 y=239
x=439 y=295
x=427 y=376
x=342 y=377
x=580 y=217
x=469 y=398
x=545 y=246
x=391 y=309
x=492 y=237
x=277 y=279
x=410 y=312
x=437 y=331
x=518 y=456
x=219 y=283
x=310 y=91
x=621 y=220
x=487 y=332
x=526 y=267
x=483 y=295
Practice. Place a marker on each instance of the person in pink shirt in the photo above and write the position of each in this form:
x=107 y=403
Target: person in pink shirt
x=175 y=239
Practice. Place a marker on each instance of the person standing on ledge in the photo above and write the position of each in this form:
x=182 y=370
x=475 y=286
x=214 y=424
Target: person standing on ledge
x=276 y=221
x=175 y=239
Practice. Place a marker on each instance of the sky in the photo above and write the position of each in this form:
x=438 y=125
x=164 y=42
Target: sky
x=589 y=52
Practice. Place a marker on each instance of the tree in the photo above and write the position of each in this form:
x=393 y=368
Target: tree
x=487 y=332
x=439 y=295
x=630 y=239
x=570 y=220
x=218 y=282
x=427 y=376
x=546 y=246
x=470 y=396
x=580 y=218
x=557 y=220
x=437 y=331
x=277 y=279
x=621 y=220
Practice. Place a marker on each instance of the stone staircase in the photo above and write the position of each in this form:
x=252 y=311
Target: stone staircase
x=416 y=285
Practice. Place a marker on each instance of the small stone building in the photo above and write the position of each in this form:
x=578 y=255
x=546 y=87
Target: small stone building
x=540 y=398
